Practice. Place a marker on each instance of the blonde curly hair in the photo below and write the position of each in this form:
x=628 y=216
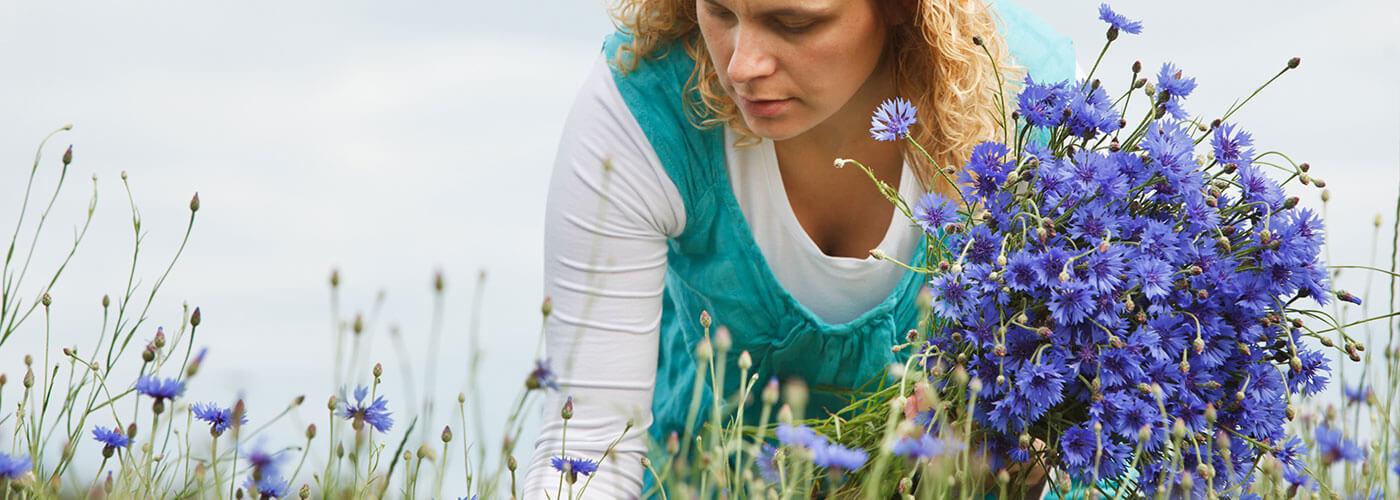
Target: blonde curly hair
x=956 y=112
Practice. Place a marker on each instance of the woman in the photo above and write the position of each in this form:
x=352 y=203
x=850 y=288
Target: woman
x=695 y=175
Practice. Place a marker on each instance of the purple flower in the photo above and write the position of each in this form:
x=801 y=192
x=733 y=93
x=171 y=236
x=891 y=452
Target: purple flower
x=160 y=389
x=262 y=460
x=219 y=419
x=798 y=436
x=933 y=213
x=1118 y=21
x=1333 y=447
x=1232 y=146
x=767 y=464
x=13 y=467
x=111 y=438
x=1176 y=87
x=924 y=447
x=892 y=120
x=835 y=456
x=376 y=413
x=268 y=485
x=542 y=376
x=573 y=466
x=1042 y=105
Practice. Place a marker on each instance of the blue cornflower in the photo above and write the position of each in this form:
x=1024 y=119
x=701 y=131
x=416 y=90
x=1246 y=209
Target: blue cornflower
x=268 y=485
x=1312 y=376
x=933 y=213
x=835 y=456
x=1070 y=303
x=924 y=447
x=1118 y=21
x=985 y=172
x=543 y=376
x=14 y=467
x=573 y=466
x=219 y=419
x=1043 y=384
x=1077 y=447
x=1358 y=394
x=1091 y=112
x=950 y=295
x=1255 y=186
x=1042 y=105
x=892 y=120
x=112 y=438
x=161 y=390
x=1333 y=447
x=376 y=413
x=1021 y=271
x=1155 y=277
x=1176 y=87
x=1291 y=453
x=261 y=459
x=800 y=435
x=768 y=464
x=1232 y=146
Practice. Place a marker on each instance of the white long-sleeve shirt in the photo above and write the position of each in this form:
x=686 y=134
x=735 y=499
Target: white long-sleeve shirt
x=605 y=265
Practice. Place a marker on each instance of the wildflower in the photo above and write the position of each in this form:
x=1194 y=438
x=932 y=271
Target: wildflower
x=268 y=484
x=934 y=213
x=13 y=467
x=1232 y=146
x=985 y=172
x=835 y=456
x=263 y=461
x=1333 y=447
x=1358 y=394
x=376 y=413
x=112 y=440
x=924 y=447
x=768 y=464
x=573 y=466
x=1118 y=21
x=159 y=389
x=219 y=419
x=1176 y=88
x=892 y=120
x=1042 y=105
x=542 y=376
x=798 y=436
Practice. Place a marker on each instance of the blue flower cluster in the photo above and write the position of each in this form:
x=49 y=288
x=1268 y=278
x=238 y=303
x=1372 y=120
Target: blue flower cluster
x=824 y=452
x=1128 y=297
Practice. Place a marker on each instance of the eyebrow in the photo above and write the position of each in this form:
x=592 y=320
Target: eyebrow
x=781 y=11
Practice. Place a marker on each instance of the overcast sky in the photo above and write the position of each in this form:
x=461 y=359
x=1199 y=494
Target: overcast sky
x=393 y=139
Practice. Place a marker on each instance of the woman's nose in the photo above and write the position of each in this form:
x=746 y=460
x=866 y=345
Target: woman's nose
x=751 y=58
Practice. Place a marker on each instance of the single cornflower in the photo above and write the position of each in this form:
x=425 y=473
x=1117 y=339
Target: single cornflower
x=800 y=435
x=159 y=389
x=573 y=466
x=1118 y=21
x=267 y=485
x=834 y=456
x=892 y=120
x=219 y=419
x=934 y=213
x=112 y=439
x=768 y=464
x=924 y=447
x=12 y=468
x=542 y=376
x=1333 y=447
x=376 y=413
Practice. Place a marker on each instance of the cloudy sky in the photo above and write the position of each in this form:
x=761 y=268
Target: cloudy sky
x=392 y=140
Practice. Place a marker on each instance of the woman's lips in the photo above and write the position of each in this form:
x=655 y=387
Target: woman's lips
x=764 y=108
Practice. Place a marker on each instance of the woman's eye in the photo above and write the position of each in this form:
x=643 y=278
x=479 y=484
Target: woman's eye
x=795 y=27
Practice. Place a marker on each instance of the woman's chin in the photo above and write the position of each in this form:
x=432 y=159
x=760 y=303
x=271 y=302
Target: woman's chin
x=773 y=129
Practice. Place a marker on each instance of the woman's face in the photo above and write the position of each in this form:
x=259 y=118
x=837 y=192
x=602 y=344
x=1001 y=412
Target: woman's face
x=791 y=65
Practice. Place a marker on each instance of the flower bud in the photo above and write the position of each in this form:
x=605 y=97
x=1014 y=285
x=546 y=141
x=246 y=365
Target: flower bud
x=358 y=325
x=425 y=451
x=68 y=156
x=106 y=300
x=28 y=378
x=310 y=432
x=745 y=361
x=378 y=370
x=195 y=317
x=331 y=403
x=673 y=442
x=1178 y=429
x=1150 y=89
x=45 y=299
x=1319 y=182
x=975 y=386
x=785 y=414
x=703 y=350
x=160 y=338
x=194 y=203
x=335 y=278
x=1293 y=63
x=305 y=491
x=1210 y=413
x=568 y=411
x=1144 y=433
x=977 y=40
x=705 y=319
x=148 y=354
x=723 y=341
x=512 y=464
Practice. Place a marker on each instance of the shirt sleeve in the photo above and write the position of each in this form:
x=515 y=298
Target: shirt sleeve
x=610 y=210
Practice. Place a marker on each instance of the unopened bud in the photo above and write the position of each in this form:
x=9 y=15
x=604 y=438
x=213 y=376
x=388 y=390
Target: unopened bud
x=310 y=432
x=194 y=203
x=745 y=361
x=723 y=341
x=705 y=319
x=378 y=370
x=195 y=317
x=1293 y=63
x=447 y=434
x=68 y=156
x=45 y=299
x=1178 y=429
x=703 y=350
x=305 y=491
x=568 y=410
x=785 y=414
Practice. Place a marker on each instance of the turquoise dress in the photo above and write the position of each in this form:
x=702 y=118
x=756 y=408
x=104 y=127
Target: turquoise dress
x=715 y=265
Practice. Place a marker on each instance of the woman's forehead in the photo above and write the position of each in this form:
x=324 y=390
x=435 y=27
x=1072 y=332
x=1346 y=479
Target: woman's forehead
x=780 y=7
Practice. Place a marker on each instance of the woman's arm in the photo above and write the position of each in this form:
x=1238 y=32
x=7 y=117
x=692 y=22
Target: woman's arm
x=611 y=209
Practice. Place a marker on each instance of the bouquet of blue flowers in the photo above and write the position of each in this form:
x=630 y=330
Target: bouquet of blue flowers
x=1123 y=304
